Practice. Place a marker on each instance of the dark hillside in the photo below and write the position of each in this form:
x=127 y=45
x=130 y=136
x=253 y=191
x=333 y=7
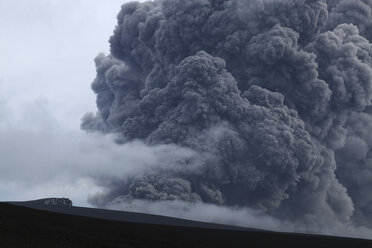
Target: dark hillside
x=122 y=215
x=26 y=227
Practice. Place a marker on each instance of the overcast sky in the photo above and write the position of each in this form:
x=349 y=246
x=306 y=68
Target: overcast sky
x=47 y=49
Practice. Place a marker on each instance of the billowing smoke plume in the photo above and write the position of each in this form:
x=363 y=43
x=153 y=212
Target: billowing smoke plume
x=272 y=96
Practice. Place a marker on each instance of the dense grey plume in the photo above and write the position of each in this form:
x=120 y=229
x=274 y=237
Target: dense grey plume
x=345 y=63
x=355 y=165
x=357 y=12
x=353 y=85
x=273 y=96
x=118 y=93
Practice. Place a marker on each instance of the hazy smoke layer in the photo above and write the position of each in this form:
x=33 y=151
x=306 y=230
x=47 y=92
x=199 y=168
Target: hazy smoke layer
x=271 y=96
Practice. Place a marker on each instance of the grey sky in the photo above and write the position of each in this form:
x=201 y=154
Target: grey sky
x=47 y=49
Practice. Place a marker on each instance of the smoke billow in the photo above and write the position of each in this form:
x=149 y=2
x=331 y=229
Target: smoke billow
x=272 y=97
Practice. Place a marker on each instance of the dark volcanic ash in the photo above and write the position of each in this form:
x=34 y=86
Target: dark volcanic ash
x=273 y=96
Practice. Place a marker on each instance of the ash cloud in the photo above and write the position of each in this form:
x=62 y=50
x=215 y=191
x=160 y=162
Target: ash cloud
x=272 y=97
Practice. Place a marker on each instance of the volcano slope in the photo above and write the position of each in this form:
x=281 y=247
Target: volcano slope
x=26 y=227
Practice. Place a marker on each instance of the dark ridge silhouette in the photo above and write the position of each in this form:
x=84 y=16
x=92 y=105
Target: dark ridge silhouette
x=40 y=203
x=120 y=215
x=27 y=227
